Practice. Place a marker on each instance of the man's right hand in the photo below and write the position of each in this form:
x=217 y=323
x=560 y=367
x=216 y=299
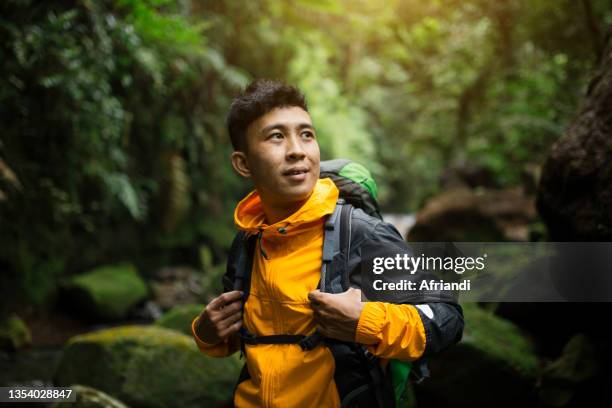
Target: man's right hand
x=221 y=318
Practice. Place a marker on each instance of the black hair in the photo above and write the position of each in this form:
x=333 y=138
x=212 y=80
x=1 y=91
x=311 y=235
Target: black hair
x=258 y=98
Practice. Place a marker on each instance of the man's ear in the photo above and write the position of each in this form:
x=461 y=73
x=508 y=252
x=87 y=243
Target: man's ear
x=241 y=164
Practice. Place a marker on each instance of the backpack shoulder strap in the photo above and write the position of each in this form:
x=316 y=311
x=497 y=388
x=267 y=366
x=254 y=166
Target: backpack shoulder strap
x=240 y=263
x=336 y=240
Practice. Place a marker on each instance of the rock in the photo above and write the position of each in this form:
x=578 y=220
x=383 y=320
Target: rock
x=179 y=318
x=577 y=364
x=31 y=367
x=493 y=366
x=148 y=366
x=464 y=215
x=87 y=397
x=467 y=174
x=401 y=222
x=14 y=334
x=174 y=286
x=105 y=293
x=148 y=312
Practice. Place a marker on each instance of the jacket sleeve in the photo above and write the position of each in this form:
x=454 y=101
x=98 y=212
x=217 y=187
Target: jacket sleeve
x=410 y=328
x=391 y=331
x=222 y=349
x=232 y=343
x=409 y=332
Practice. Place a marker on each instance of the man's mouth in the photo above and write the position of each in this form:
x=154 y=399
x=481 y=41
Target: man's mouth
x=295 y=172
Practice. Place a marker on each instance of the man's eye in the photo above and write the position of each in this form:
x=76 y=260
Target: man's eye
x=308 y=134
x=276 y=135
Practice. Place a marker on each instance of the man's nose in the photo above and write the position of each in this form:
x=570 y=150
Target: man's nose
x=295 y=149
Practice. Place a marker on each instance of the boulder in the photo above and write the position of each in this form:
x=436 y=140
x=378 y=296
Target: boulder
x=179 y=318
x=561 y=379
x=467 y=174
x=176 y=285
x=493 y=366
x=105 y=293
x=87 y=397
x=148 y=366
x=464 y=215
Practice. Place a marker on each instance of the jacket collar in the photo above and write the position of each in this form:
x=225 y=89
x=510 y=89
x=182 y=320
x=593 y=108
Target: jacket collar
x=249 y=215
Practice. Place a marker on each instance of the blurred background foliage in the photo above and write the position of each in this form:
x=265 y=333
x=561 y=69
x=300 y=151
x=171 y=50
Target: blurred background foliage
x=113 y=142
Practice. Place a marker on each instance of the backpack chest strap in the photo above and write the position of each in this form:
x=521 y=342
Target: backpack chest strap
x=306 y=342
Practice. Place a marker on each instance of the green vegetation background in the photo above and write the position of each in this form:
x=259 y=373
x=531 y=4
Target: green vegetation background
x=113 y=144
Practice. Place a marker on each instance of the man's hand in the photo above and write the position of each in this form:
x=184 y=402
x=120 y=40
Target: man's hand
x=221 y=318
x=337 y=315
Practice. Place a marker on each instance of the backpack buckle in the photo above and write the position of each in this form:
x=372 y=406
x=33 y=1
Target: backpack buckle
x=310 y=342
x=369 y=356
x=247 y=337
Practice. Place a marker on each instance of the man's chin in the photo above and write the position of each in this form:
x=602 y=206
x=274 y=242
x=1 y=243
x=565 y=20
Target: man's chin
x=298 y=193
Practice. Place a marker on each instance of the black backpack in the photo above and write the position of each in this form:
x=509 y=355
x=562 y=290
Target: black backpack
x=359 y=377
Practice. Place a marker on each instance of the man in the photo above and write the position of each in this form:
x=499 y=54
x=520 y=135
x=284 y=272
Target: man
x=276 y=147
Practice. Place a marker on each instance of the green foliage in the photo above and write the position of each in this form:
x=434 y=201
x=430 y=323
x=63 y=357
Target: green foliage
x=114 y=112
x=113 y=123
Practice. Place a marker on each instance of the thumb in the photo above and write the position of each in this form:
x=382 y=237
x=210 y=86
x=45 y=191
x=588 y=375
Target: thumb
x=314 y=295
x=353 y=292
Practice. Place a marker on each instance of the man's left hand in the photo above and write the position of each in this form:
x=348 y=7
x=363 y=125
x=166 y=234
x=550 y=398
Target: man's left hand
x=337 y=315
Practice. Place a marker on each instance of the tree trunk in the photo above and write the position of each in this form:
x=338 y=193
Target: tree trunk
x=575 y=191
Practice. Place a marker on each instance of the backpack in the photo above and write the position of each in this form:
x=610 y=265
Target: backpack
x=360 y=379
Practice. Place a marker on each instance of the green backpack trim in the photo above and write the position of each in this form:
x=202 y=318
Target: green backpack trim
x=355 y=182
x=362 y=176
x=400 y=370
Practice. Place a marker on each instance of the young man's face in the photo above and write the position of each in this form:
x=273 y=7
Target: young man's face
x=283 y=155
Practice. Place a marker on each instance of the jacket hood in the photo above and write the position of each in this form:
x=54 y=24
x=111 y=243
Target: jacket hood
x=249 y=215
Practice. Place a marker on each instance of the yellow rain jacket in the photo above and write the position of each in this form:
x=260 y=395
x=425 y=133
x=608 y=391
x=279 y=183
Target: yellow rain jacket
x=283 y=375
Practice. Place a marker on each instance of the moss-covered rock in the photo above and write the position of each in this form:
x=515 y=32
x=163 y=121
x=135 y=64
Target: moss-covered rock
x=499 y=340
x=493 y=365
x=148 y=366
x=560 y=379
x=180 y=317
x=106 y=293
x=14 y=334
x=87 y=397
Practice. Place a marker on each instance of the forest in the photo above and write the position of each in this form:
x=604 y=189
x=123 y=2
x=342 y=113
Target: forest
x=485 y=121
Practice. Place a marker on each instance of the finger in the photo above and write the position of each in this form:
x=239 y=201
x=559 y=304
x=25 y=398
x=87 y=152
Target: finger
x=231 y=330
x=314 y=295
x=220 y=301
x=323 y=316
x=314 y=304
x=353 y=290
x=229 y=297
x=227 y=310
x=321 y=303
x=322 y=329
x=227 y=322
x=317 y=298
